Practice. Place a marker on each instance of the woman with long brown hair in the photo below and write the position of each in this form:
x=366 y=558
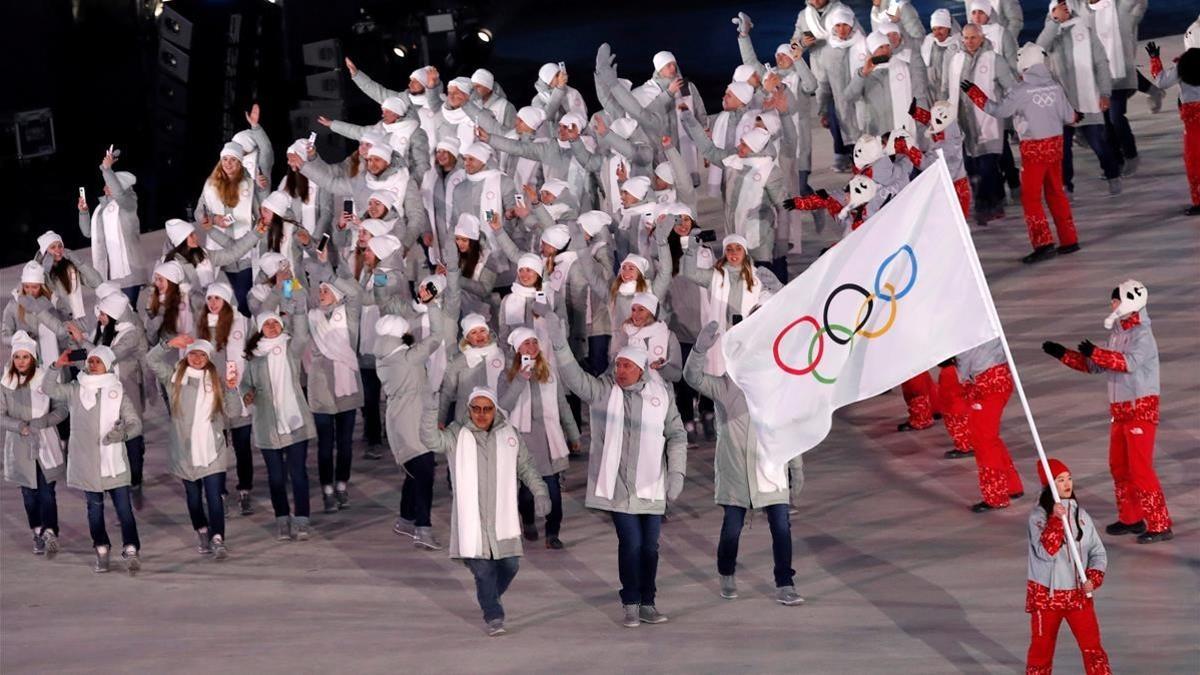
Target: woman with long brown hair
x=170 y=305
x=33 y=300
x=227 y=329
x=198 y=453
x=33 y=455
x=66 y=273
x=537 y=403
x=230 y=200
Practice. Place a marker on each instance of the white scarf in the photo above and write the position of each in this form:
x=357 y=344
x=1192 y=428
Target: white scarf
x=435 y=365
x=1087 y=93
x=49 y=445
x=650 y=481
x=718 y=309
x=396 y=183
x=994 y=33
x=612 y=185
x=439 y=227
x=900 y=88
x=464 y=128
x=655 y=338
x=110 y=256
x=747 y=204
x=522 y=415
x=927 y=47
x=108 y=389
x=562 y=268
x=283 y=401
x=490 y=198
x=243 y=215
x=203 y=440
x=400 y=135
x=492 y=359
x=467 y=520
x=1108 y=29
x=984 y=77
x=513 y=306
x=75 y=297
x=816 y=23
x=331 y=335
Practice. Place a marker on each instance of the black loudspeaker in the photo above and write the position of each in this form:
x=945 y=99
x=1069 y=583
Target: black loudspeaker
x=303 y=121
x=324 y=85
x=174 y=61
x=323 y=54
x=172 y=95
x=175 y=28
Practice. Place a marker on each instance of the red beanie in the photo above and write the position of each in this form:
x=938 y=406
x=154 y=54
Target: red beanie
x=1056 y=467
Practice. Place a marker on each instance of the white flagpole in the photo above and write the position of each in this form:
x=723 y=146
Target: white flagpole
x=977 y=269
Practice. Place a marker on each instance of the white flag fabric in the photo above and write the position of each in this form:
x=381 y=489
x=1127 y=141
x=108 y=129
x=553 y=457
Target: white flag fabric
x=897 y=296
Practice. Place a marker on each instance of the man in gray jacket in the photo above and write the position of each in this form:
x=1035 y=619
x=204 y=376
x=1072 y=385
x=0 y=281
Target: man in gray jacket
x=812 y=33
x=114 y=230
x=1116 y=23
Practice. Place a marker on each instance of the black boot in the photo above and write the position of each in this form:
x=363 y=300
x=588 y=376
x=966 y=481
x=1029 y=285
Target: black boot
x=958 y=454
x=1118 y=528
x=1151 y=537
x=1039 y=254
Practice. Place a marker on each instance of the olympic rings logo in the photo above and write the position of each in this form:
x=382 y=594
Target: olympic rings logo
x=840 y=334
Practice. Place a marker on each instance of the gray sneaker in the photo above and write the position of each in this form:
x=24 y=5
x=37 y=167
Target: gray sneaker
x=405 y=527
x=245 y=502
x=648 y=614
x=204 y=546
x=1114 y=186
x=218 y=548
x=283 y=526
x=693 y=435
x=728 y=587
x=51 y=540
x=631 y=616
x=342 y=497
x=787 y=595
x=301 y=528
x=372 y=452
x=424 y=539
x=495 y=627
x=331 y=505
x=1131 y=166
x=39 y=544
x=101 y=564
x=133 y=563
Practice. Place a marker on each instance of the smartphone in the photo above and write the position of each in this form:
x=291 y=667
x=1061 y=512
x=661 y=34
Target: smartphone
x=882 y=58
x=431 y=289
x=683 y=85
x=82 y=193
x=110 y=149
x=380 y=279
x=77 y=355
x=526 y=362
x=735 y=319
x=807 y=34
x=230 y=370
x=520 y=199
x=312 y=137
x=287 y=288
x=324 y=242
x=490 y=214
x=562 y=66
x=348 y=206
x=540 y=297
x=707 y=235
x=228 y=218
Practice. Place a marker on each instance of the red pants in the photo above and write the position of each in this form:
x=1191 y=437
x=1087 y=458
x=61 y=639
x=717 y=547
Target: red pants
x=1131 y=461
x=1041 y=170
x=998 y=477
x=1044 y=625
x=962 y=187
x=1190 y=114
x=920 y=394
x=955 y=409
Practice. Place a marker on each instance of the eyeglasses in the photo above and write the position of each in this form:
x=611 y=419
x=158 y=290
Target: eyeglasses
x=482 y=409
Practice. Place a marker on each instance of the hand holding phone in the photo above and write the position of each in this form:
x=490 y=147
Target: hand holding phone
x=707 y=235
x=77 y=355
x=735 y=319
x=312 y=137
x=882 y=58
x=323 y=243
x=380 y=279
x=526 y=362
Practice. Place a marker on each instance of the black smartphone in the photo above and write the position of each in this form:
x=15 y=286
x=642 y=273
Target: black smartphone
x=431 y=289
x=707 y=235
x=77 y=355
x=348 y=206
x=882 y=58
x=808 y=34
x=324 y=242
x=735 y=319
x=683 y=85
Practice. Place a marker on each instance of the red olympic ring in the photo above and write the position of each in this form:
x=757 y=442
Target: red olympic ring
x=820 y=347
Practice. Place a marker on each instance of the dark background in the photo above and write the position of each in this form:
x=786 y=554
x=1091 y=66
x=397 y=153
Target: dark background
x=96 y=66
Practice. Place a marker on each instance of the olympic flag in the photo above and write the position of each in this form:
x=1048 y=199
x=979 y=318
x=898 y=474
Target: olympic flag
x=897 y=296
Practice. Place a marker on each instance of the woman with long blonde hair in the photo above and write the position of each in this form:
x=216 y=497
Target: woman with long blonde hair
x=198 y=453
x=537 y=403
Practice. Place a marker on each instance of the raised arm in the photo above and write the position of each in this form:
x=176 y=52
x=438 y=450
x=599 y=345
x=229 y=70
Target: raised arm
x=373 y=89
x=710 y=386
x=156 y=361
x=434 y=439
x=126 y=198
x=585 y=386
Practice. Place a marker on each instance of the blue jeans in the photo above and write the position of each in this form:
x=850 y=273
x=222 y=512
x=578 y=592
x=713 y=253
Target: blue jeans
x=1094 y=134
x=637 y=555
x=1120 y=135
x=41 y=504
x=135 y=448
x=282 y=463
x=124 y=508
x=241 y=283
x=685 y=396
x=597 y=357
x=206 y=489
x=989 y=194
x=835 y=130
x=554 y=518
x=132 y=293
x=781 y=541
x=334 y=429
x=372 y=424
x=416 y=496
x=492 y=578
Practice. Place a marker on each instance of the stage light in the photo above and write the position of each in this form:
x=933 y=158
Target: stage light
x=400 y=51
x=484 y=35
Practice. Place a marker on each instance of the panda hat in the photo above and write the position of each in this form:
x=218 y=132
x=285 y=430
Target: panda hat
x=1133 y=296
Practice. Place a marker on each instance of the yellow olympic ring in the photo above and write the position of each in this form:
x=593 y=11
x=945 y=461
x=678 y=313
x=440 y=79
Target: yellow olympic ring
x=891 y=313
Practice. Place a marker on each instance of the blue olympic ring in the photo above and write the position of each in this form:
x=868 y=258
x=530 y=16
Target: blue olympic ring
x=912 y=278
